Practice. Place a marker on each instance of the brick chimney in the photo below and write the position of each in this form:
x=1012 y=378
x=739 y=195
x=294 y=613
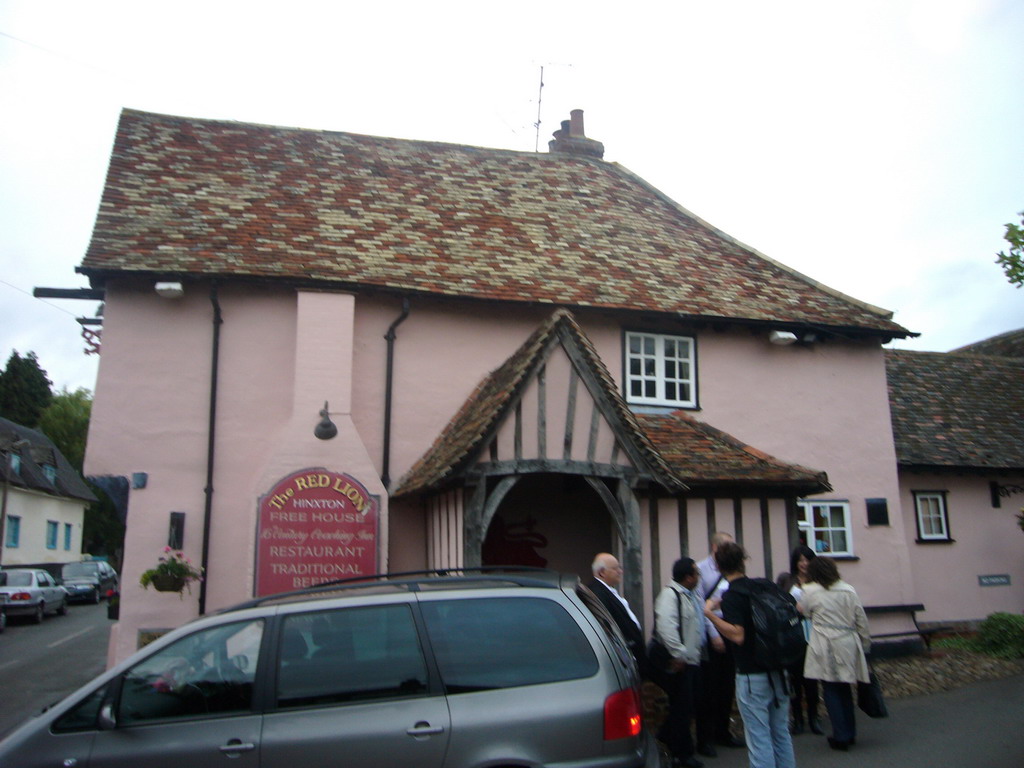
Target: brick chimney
x=570 y=138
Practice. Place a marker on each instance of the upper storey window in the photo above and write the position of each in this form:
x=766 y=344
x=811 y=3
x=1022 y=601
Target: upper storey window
x=661 y=370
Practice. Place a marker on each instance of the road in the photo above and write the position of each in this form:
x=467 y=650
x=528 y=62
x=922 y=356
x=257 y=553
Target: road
x=42 y=663
x=977 y=726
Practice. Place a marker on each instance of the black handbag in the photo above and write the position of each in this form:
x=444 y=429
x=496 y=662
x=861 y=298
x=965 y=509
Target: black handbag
x=657 y=655
x=870 y=698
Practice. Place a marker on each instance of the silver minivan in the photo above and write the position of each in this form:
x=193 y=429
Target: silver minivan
x=490 y=669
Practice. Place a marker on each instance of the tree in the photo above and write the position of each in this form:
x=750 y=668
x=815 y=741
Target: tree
x=24 y=390
x=66 y=422
x=1012 y=262
x=102 y=529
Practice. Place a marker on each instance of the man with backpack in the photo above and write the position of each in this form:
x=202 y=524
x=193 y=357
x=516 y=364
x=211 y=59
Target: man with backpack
x=761 y=624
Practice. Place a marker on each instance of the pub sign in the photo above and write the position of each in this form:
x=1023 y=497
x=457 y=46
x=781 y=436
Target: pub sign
x=315 y=526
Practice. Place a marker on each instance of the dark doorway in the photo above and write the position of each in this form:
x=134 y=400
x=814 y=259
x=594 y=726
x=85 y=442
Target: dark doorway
x=551 y=521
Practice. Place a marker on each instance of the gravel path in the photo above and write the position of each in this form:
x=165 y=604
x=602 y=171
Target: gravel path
x=940 y=670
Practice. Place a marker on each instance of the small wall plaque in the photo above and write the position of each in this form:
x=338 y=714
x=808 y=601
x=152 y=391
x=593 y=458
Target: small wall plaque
x=995 y=580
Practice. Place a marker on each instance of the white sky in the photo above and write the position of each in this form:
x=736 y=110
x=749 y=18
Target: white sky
x=876 y=146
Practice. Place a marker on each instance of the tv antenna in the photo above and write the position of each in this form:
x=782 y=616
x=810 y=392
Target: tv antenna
x=540 y=97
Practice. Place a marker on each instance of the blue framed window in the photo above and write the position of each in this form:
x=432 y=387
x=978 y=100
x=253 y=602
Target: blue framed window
x=51 y=472
x=51 y=534
x=67 y=536
x=13 y=531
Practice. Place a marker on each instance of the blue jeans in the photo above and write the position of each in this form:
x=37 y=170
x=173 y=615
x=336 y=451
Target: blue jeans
x=764 y=707
x=839 y=704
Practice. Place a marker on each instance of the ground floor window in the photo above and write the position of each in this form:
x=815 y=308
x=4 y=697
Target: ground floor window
x=51 y=534
x=13 y=538
x=932 y=515
x=825 y=526
x=67 y=536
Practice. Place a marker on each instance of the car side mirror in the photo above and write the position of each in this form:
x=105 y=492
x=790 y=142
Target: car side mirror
x=106 y=719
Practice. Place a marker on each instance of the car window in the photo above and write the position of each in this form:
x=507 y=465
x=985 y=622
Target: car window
x=81 y=717
x=72 y=570
x=208 y=673
x=487 y=643
x=18 y=579
x=350 y=654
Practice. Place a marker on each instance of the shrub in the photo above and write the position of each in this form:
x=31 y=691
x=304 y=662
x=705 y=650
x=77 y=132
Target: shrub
x=1002 y=634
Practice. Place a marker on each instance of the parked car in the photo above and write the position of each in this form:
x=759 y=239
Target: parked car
x=509 y=669
x=32 y=592
x=3 y=611
x=88 y=580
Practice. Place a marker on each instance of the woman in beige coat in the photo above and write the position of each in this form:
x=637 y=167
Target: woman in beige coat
x=839 y=640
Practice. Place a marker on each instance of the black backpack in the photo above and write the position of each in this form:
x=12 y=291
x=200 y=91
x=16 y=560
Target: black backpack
x=778 y=640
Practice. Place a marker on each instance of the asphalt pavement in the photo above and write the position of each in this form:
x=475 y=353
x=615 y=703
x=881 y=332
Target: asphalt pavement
x=42 y=663
x=978 y=726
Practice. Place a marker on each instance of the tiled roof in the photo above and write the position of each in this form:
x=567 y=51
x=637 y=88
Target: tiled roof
x=957 y=410
x=38 y=453
x=188 y=197
x=464 y=434
x=1010 y=344
x=703 y=456
x=679 y=451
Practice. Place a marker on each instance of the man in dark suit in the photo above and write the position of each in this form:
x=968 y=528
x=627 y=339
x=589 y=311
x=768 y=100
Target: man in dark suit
x=607 y=578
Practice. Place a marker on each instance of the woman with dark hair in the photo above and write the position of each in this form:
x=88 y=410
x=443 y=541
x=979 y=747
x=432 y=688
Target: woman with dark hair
x=839 y=640
x=803 y=688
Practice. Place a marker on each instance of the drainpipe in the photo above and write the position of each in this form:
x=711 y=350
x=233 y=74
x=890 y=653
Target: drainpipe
x=208 y=508
x=385 y=476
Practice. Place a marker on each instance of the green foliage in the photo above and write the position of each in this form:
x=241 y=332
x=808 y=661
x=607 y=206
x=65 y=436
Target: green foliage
x=66 y=422
x=1002 y=634
x=102 y=529
x=172 y=564
x=24 y=390
x=1012 y=261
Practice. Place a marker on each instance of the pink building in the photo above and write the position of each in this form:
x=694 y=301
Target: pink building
x=334 y=354
x=960 y=447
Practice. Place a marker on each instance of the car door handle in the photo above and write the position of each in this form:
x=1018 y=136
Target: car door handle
x=424 y=728
x=237 y=745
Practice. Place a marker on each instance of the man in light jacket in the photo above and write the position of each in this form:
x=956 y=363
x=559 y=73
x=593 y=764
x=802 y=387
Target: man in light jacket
x=679 y=623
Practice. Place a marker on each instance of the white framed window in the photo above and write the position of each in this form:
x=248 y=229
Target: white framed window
x=932 y=516
x=825 y=526
x=661 y=370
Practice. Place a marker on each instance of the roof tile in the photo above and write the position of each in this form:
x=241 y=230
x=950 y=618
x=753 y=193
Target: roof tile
x=190 y=197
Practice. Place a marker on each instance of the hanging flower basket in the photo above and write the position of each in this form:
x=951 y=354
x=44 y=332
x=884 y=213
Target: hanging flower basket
x=164 y=582
x=173 y=573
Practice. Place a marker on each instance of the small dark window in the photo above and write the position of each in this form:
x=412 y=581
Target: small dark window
x=488 y=643
x=878 y=511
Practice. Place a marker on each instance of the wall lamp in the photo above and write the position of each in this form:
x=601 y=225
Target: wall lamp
x=169 y=290
x=782 y=338
x=325 y=429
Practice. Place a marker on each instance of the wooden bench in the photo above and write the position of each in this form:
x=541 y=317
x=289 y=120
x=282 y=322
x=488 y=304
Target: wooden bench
x=924 y=635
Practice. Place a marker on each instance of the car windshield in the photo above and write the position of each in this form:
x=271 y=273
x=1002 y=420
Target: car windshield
x=16 y=579
x=79 y=569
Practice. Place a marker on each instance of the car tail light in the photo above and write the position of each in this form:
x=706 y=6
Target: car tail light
x=21 y=596
x=622 y=715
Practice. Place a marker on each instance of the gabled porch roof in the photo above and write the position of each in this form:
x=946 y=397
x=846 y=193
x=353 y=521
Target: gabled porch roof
x=672 y=449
